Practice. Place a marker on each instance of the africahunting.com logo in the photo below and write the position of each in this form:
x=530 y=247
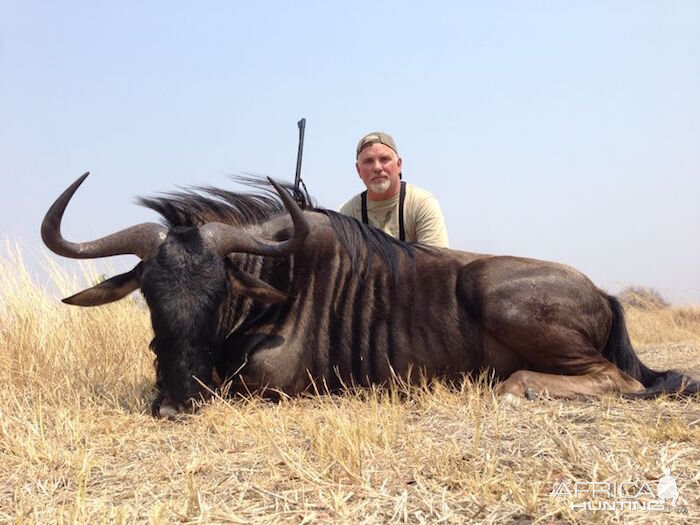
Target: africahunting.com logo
x=624 y=495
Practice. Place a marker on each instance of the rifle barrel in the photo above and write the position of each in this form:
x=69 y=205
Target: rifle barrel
x=300 y=151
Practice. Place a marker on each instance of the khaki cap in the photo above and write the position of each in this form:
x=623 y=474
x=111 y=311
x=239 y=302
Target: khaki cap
x=374 y=138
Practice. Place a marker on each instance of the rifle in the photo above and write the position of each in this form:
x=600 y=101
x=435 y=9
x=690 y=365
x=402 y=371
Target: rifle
x=297 y=178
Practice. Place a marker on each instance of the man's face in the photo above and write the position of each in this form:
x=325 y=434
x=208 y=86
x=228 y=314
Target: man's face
x=379 y=167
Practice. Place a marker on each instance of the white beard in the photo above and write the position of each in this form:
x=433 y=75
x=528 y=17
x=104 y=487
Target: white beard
x=380 y=186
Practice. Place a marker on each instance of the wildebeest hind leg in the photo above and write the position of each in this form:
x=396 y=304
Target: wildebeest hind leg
x=600 y=379
x=551 y=323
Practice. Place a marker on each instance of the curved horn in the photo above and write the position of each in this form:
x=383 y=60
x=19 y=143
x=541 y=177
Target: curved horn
x=141 y=240
x=228 y=239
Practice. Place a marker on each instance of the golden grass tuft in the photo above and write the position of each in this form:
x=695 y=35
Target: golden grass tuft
x=77 y=443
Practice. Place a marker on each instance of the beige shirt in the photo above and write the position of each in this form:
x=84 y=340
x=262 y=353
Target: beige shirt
x=423 y=220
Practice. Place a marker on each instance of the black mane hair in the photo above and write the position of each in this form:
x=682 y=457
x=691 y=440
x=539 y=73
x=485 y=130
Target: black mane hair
x=355 y=236
x=198 y=205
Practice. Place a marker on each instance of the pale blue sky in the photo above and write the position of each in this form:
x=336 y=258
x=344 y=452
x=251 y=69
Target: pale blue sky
x=567 y=131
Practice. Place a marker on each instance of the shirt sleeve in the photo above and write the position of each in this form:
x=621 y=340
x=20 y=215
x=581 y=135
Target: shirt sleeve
x=348 y=208
x=430 y=224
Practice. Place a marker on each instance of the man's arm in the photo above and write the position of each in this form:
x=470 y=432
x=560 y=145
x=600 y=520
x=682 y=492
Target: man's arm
x=430 y=224
x=348 y=208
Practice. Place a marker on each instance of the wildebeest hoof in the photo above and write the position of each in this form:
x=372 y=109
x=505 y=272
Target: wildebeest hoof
x=512 y=400
x=531 y=394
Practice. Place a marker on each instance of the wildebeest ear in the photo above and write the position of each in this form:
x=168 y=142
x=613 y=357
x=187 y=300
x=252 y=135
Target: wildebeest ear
x=249 y=286
x=108 y=291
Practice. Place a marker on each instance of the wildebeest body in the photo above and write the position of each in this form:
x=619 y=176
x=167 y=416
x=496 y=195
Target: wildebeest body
x=340 y=327
x=269 y=301
x=438 y=317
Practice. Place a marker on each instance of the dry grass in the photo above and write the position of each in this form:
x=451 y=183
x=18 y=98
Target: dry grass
x=77 y=444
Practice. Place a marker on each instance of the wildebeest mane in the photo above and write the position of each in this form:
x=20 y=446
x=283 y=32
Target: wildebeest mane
x=198 y=205
x=362 y=242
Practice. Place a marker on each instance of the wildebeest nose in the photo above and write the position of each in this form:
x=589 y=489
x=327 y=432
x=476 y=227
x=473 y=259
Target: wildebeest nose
x=166 y=406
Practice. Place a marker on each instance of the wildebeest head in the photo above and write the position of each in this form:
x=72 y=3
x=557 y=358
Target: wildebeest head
x=183 y=278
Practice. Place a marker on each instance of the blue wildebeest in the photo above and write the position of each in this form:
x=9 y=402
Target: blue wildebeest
x=268 y=300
